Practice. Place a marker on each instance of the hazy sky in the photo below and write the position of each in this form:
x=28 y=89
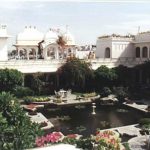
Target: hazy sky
x=86 y=20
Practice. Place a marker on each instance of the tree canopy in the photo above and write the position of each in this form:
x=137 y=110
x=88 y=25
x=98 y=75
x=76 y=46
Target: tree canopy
x=9 y=79
x=75 y=74
x=104 y=77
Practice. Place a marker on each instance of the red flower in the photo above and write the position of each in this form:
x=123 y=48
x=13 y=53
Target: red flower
x=97 y=132
x=72 y=136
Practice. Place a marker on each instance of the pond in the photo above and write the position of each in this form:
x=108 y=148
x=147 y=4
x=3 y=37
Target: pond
x=79 y=120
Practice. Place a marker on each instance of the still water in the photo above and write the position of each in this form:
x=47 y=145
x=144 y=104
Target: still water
x=79 y=120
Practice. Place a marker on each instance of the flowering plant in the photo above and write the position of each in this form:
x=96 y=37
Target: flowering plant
x=71 y=139
x=51 y=138
x=107 y=138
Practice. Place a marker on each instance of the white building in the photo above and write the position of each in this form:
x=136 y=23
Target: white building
x=33 y=44
x=3 y=43
x=27 y=43
x=124 y=47
x=142 y=45
x=41 y=52
x=114 y=47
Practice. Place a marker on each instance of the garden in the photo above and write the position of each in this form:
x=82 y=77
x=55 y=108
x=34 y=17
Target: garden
x=18 y=132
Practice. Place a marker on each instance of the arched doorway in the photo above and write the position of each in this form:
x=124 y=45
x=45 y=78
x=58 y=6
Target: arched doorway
x=107 y=52
x=23 y=54
x=32 y=53
x=51 y=52
x=137 y=52
x=145 y=52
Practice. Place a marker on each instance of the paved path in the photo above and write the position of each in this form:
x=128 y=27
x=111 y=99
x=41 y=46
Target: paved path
x=41 y=118
x=137 y=106
x=138 y=143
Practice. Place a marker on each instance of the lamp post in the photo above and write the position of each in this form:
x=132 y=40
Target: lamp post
x=93 y=107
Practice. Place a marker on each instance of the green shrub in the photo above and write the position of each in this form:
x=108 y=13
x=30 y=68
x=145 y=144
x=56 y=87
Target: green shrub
x=20 y=91
x=85 y=144
x=30 y=99
x=106 y=91
x=17 y=132
x=121 y=93
x=144 y=121
x=9 y=79
x=87 y=95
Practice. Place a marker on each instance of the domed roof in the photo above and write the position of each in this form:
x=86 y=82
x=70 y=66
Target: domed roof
x=68 y=37
x=30 y=36
x=51 y=37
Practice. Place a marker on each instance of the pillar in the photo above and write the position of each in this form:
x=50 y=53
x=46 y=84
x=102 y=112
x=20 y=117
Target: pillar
x=18 y=51
x=56 y=53
x=36 y=53
x=141 y=48
x=27 y=50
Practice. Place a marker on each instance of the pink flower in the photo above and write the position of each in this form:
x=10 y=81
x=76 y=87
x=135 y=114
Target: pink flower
x=49 y=138
x=40 y=142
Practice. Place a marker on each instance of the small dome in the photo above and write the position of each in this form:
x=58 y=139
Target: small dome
x=68 y=37
x=30 y=34
x=51 y=37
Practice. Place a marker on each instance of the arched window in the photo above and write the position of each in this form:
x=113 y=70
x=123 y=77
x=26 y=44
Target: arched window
x=107 y=52
x=144 y=52
x=137 y=53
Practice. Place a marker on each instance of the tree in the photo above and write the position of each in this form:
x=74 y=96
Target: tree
x=9 y=79
x=76 y=74
x=124 y=75
x=35 y=82
x=104 y=77
x=17 y=132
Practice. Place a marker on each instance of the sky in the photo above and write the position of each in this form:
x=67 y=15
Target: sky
x=86 y=20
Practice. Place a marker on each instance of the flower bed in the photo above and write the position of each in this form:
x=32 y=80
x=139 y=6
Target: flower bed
x=30 y=99
x=51 y=138
x=102 y=140
x=108 y=138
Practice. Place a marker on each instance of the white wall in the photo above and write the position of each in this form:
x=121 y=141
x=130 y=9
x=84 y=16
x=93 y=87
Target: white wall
x=122 y=49
x=101 y=45
x=32 y=66
x=119 y=47
x=82 y=54
x=3 y=49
